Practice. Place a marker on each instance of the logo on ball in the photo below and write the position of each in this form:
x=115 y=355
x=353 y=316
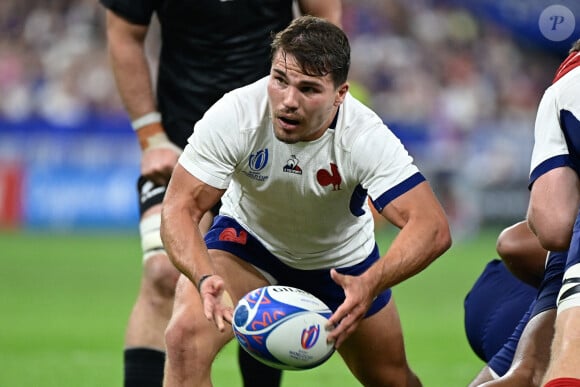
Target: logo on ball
x=283 y=327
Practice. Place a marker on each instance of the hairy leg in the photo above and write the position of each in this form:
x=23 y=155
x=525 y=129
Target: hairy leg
x=193 y=341
x=375 y=353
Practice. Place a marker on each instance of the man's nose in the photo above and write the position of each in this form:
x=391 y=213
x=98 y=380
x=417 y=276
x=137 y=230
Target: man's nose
x=291 y=98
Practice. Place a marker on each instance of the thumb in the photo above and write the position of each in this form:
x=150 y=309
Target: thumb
x=337 y=277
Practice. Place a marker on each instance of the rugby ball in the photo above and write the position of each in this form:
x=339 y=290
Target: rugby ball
x=283 y=327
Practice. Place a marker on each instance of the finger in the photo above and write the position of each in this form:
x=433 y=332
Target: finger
x=207 y=309
x=219 y=322
x=337 y=316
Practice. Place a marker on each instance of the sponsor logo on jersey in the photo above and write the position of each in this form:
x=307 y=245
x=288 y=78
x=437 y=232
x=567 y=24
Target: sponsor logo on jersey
x=257 y=163
x=331 y=177
x=292 y=166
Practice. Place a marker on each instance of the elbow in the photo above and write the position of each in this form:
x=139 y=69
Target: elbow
x=555 y=241
x=553 y=236
x=442 y=239
x=445 y=240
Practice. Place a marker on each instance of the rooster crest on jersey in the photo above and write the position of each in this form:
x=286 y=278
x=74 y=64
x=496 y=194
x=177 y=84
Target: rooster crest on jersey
x=283 y=327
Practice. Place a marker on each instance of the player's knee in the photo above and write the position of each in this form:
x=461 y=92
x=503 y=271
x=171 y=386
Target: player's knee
x=177 y=334
x=569 y=295
x=160 y=276
x=182 y=339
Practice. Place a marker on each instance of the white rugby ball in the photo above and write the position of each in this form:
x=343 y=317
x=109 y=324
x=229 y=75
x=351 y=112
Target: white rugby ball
x=283 y=327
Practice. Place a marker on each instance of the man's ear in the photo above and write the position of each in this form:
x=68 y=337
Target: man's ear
x=341 y=94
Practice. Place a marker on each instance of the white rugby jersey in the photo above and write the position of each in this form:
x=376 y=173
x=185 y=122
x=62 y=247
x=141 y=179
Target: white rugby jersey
x=557 y=126
x=306 y=202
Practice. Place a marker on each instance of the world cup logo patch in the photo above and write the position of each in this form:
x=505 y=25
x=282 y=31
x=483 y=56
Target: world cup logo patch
x=310 y=336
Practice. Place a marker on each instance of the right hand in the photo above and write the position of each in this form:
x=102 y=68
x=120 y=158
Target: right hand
x=217 y=302
x=159 y=155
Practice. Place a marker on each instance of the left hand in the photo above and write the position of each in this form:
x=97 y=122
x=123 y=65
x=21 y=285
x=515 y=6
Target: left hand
x=217 y=302
x=358 y=299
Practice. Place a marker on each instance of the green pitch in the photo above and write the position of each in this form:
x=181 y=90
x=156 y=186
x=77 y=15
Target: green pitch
x=64 y=301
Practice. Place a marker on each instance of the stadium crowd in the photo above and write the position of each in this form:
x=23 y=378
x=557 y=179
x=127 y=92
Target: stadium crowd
x=460 y=91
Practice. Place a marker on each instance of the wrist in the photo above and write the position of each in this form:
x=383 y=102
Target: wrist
x=200 y=281
x=146 y=120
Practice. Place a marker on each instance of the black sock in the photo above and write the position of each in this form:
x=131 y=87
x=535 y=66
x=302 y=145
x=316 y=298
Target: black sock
x=256 y=374
x=144 y=367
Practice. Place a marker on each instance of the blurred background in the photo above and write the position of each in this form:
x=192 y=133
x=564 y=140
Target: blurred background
x=458 y=81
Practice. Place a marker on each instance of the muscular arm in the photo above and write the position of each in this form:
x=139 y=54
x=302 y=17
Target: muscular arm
x=186 y=200
x=424 y=236
x=553 y=206
x=330 y=10
x=126 y=44
x=133 y=78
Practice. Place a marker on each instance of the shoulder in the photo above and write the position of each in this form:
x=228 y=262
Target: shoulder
x=249 y=103
x=358 y=124
x=239 y=112
x=565 y=90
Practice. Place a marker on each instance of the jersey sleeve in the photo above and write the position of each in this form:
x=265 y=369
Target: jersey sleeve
x=134 y=11
x=550 y=148
x=212 y=151
x=386 y=168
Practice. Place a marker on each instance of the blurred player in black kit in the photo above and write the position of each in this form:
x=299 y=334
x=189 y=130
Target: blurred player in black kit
x=208 y=47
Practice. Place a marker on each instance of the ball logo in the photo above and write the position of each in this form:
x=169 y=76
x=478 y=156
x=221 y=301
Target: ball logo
x=267 y=319
x=310 y=336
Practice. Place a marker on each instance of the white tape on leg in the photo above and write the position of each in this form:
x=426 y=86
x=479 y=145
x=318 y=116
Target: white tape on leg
x=151 y=243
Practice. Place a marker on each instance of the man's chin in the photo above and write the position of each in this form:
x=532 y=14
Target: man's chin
x=285 y=137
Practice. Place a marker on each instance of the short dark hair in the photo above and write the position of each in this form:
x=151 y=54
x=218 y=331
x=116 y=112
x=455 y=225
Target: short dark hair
x=319 y=47
x=575 y=46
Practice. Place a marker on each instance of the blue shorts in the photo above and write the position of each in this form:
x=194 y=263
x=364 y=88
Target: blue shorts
x=226 y=234
x=547 y=294
x=493 y=308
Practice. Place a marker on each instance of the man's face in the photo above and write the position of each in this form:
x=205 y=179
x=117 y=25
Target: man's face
x=302 y=106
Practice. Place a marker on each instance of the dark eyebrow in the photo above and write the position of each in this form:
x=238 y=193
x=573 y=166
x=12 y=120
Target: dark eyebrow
x=280 y=72
x=303 y=83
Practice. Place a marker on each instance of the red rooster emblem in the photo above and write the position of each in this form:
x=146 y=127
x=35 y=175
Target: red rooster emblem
x=326 y=178
x=229 y=234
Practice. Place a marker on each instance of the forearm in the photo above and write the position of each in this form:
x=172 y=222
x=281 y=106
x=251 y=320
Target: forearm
x=185 y=203
x=183 y=242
